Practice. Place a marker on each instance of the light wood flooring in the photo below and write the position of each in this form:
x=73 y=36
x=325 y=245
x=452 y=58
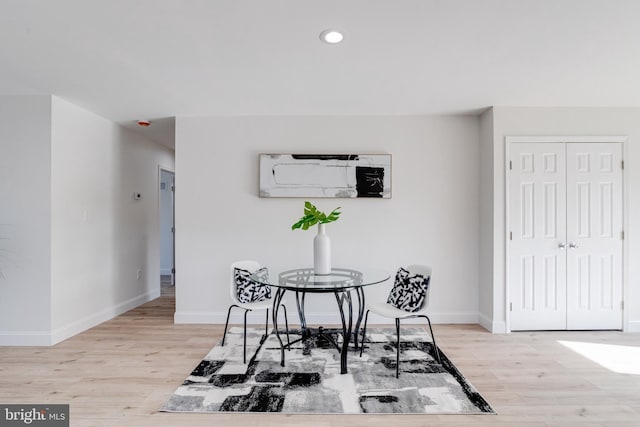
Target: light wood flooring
x=121 y=372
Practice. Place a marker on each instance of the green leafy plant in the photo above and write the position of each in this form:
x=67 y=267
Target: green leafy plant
x=313 y=216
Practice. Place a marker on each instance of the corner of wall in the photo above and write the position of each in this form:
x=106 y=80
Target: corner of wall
x=105 y=242
x=486 y=210
x=495 y=327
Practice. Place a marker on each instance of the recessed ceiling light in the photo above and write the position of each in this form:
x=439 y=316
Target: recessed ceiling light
x=331 y=36
x=144 y=123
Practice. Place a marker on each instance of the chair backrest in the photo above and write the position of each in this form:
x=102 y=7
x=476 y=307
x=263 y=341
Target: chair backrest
x=403 y=295
x=426 y=272
x=248 y=265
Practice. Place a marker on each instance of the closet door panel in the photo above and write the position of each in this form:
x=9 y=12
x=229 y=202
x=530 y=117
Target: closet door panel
x=537 y=212
x=594 y=236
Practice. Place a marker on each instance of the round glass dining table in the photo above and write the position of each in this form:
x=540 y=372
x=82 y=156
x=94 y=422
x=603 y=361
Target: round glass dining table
x=340 y=282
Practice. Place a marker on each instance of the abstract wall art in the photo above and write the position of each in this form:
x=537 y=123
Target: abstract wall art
x=325 y=175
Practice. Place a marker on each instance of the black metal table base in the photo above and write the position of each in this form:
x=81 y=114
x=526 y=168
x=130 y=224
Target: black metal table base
x=345 y=306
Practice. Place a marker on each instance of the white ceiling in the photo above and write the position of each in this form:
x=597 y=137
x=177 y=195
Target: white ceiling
x=157 y=59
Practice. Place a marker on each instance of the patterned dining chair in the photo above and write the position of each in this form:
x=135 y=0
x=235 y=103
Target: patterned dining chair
x=250 y=295
x=408 y=299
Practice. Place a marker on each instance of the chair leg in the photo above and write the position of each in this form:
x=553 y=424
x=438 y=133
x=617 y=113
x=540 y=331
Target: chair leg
x=364 y=332
x=433 y=338
x=227 y=324
x=286 y=325
x=266 y=325
x=244 y=357
x=397 y=348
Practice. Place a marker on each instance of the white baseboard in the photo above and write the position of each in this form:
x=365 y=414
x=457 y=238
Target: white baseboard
x=495 y=327
x=633 y=326
x=27 y=338
x=331 y=318
x=499 y=327
x=485 y=322
x=81 y=325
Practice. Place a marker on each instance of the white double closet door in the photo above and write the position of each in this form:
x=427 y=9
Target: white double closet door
x=565 y=240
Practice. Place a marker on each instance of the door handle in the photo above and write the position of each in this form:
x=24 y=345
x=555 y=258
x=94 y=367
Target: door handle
x=562 y=245
x=573 y=246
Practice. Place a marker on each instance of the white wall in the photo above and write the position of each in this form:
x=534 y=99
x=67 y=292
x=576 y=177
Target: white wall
x=71 y=236
x=166 y=222
x=485 y=248
x=432 y=217
x=25 y=214
x=525 y=121
x=101 y=236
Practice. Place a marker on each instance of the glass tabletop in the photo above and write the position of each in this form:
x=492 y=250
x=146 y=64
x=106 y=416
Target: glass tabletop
x=305 y=280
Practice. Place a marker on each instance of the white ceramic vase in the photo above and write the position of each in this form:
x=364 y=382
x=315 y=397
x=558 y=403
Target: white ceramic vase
x=321 y=252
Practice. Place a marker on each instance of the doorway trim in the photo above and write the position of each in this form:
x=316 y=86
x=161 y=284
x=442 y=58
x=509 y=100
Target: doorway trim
x=625 y=214
x=162 y=168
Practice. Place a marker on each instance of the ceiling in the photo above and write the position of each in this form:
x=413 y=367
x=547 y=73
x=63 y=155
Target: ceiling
x=158 y=59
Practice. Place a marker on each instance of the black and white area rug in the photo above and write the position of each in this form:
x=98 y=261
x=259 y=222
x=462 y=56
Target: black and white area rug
x=311 y=382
